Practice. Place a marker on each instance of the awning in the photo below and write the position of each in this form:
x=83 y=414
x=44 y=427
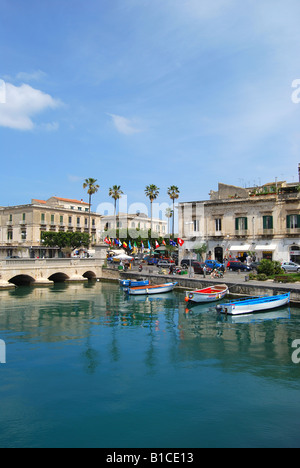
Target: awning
x=240 y=248
x=265 y=248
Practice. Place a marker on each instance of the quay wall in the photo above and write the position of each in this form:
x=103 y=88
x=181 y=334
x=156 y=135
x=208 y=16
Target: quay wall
x=237 y=286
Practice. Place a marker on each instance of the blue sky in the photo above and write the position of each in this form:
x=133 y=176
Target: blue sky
x=137 y=92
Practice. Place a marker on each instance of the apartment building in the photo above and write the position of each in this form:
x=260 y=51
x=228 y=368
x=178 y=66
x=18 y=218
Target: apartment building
x=21 y=226
x=134 y=222
x=263 y=221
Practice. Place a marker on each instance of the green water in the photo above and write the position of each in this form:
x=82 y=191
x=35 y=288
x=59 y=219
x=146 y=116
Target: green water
x=88 y=367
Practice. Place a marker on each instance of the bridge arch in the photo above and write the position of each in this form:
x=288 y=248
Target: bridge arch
x=59 y=277
x=22 y=280
x=90 y=275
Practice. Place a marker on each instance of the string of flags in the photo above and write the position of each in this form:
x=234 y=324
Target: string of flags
x=118 y=243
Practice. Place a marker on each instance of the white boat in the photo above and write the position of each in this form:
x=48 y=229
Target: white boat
x=211 y=294
x=254 y=304
x=150 y=290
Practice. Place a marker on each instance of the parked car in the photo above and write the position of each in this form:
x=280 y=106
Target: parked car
x=187 y=262
x=165 y=263
x=290 y=267
x=152 y=261
x=198 y=266
x=235 y=266
x=213 y=264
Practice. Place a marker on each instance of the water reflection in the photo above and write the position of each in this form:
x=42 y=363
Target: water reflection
x=80 y=314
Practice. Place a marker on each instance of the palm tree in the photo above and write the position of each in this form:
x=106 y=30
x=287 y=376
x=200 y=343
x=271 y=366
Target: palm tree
x=115 y=192
x=152 y=192
x=169 y=214
x=173 y=193
x=92 y=189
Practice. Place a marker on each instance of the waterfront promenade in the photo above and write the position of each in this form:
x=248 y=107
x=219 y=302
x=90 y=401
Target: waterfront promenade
x=237 y=283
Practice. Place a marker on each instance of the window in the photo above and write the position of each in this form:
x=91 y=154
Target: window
x=43 y=217
x=52 y=219
x=78 y=222
x=70 y=219
x=9 y=235
x=23 y=234
x=10 y=218
x=268 y=222
x=61 y=220
x=293 y=221
x=24 y=217
x=218 y=225
x=196 y=225
x=241 y=224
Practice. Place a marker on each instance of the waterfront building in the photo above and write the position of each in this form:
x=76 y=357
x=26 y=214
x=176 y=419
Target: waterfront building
x=21 y=226
x=135 y=223
x=263 y=222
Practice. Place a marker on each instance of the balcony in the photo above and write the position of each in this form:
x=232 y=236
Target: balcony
x=293 y=231
x=242 y=233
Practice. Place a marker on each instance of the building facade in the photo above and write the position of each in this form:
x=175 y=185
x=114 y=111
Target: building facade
x=21 y=226
x=135 y=223
x=263 y=222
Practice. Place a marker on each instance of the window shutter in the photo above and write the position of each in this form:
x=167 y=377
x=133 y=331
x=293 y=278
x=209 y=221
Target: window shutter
x=246 y=224
x=237 y=224
x=288 y=221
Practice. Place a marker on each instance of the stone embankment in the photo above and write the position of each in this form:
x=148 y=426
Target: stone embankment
x=238 y=284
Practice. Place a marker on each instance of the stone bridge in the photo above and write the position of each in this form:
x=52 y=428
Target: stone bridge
x=16 y=272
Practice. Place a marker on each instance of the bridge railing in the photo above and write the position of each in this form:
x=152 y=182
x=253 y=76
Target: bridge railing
x=49 y=261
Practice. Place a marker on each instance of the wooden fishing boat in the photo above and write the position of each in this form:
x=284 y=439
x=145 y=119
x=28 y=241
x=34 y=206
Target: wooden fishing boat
x=149 y=290
x=212 y=294
x=254 y=304
x=134 y=283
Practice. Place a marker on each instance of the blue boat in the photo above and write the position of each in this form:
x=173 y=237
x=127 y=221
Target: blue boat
x=254 y=304
x=133 y=283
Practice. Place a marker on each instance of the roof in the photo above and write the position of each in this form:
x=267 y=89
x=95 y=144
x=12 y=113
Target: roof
x=39 y=201
x=81 y=202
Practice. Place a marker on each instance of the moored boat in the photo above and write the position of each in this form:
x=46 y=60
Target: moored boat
x=211 y=294
x=149 y=290
x=254 y=304
x=134 y=283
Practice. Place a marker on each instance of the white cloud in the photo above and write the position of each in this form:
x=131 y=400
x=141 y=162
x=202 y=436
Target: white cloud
x=36 y=75
x=125 y=126
x=21 y=104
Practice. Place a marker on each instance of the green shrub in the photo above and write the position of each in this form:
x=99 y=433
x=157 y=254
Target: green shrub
x=252 y=276
x=267 y=267
x=262 y=277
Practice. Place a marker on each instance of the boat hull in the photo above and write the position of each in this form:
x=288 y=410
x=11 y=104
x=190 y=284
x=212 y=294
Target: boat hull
x=151 y=290
x=207 y=295
x=133 y=283
x=258 y=304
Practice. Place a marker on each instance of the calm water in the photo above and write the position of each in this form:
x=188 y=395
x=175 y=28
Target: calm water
x=88 y=367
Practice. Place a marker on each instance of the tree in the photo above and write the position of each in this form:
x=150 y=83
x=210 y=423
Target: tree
x=169 y=214
x=93 y=188
x=115 y=192
x=173 y=193
x=200 y=250
x=64 y=240
x=152 y=192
